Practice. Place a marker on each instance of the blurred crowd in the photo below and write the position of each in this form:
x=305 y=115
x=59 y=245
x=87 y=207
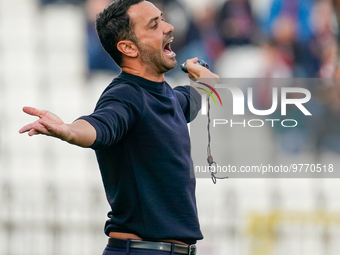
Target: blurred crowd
x=296 y=38
x=296 y=35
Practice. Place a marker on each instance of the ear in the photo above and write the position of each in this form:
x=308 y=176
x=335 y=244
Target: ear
x=128 y=48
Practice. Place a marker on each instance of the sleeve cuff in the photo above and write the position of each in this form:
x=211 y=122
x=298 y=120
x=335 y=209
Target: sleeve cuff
x=96 y=145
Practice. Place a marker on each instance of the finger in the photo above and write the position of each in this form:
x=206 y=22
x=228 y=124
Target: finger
x=30 y=126
x=27 y=128
x=192 y=60
x=193 y=69
x=41 y=129
x=33 y=126
x=33 y=132
x=32 y=111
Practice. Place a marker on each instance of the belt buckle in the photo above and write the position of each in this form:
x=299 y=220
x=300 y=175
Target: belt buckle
x=192 y=249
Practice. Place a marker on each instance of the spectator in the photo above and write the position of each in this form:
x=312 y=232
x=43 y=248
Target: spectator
x=324 y=43
x=236 y=23
x=208 y=29
x=300 y=12
x=289 y=24
x=203 y=39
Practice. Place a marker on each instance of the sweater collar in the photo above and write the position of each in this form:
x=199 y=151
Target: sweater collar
x=147 y=84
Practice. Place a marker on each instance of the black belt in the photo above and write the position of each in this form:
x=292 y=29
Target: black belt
x=148 y=245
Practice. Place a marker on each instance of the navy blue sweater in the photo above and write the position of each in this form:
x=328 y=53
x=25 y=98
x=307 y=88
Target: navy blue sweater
x=143 y=151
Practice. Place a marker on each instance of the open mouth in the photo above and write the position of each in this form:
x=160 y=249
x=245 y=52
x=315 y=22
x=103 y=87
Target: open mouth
x=167 y=49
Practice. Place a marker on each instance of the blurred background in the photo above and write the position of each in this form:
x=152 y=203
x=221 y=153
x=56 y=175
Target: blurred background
x=51 y=197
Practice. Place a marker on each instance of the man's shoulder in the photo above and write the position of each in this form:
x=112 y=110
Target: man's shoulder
x=121 y=92
x=121 y=86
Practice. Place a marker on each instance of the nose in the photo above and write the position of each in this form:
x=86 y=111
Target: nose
x=168 y=28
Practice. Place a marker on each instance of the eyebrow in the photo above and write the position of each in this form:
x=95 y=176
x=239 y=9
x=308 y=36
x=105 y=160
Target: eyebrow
x=154 y=19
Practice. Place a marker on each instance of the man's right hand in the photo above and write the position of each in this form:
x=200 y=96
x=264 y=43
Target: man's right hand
x=80 y=132
x=197 y=71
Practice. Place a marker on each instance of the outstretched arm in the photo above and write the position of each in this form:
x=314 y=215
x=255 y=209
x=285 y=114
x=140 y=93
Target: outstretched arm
x=80 y=132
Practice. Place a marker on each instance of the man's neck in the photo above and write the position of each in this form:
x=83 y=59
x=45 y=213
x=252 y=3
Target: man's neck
x=144 y=74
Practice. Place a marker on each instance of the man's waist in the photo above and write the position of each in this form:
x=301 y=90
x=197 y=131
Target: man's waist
x=126 y=236
x=165 y=246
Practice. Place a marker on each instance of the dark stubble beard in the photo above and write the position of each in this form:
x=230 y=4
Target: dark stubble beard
x=154 y=59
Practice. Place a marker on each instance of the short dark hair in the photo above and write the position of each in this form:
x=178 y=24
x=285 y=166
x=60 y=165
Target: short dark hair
x=113 y=24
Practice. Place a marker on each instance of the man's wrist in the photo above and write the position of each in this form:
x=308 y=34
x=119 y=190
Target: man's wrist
x=81 y=133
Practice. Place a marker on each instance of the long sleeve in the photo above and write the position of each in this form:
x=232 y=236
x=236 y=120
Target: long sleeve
x=190 y=101
x=117 y=111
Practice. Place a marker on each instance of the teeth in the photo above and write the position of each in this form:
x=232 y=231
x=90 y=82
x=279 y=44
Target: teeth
x=170 y=41
x=167 y=49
